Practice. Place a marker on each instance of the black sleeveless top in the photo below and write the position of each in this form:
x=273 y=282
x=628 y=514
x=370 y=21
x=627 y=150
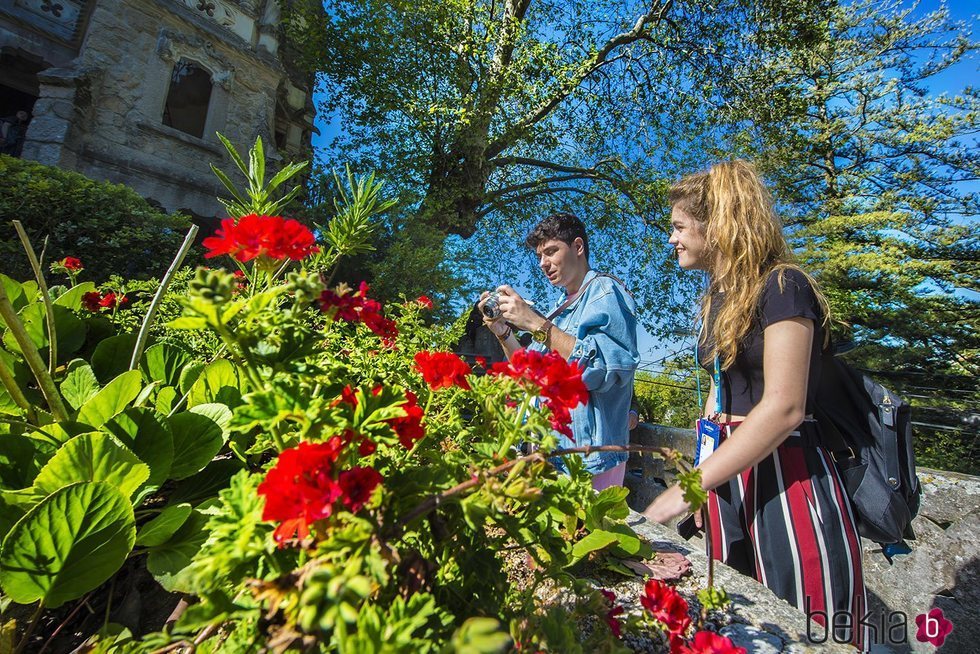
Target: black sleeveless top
x=742 y=384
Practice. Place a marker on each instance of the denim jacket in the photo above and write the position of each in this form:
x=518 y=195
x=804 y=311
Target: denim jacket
x=603 y=322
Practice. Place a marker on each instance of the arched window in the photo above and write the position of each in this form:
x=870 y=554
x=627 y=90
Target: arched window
x=188 y=98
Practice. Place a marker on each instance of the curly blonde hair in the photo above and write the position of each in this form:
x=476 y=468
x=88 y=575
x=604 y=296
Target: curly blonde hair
x=734 y=211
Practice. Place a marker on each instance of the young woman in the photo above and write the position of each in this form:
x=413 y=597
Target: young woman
x=776 y=505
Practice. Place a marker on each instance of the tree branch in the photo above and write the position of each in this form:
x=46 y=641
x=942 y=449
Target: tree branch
x=656 y=14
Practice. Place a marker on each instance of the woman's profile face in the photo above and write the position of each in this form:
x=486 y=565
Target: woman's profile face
x=688 y=240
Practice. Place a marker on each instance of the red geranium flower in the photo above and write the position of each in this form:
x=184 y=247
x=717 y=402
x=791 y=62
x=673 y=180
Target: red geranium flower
x=481 y=361
x=300 y=489
x=358 y=307
x=357 y=484
x=614 y=624
x=73 y=264
x=706 y=642
x=559 y=381
x=668 y=607
x=111 y=301
x=409 y=427
x=442 y=369
x=92 y=300
x=424 y=301
x=254 y=236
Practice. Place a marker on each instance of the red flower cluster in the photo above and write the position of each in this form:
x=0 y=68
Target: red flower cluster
x=409 y=428
x=560 y=382
x=706 y=642
x=442 y=369
x=254 y=236
x=358 y=307
x=73 y=264
x=614 y=624
x=302 y=487
x=668 y=607
x=424 y=301
x=95 y=301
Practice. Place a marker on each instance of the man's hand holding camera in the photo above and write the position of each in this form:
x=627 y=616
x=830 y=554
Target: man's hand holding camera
x=506 y=305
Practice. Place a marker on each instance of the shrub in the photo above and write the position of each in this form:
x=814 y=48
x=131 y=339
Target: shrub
x=112 y=228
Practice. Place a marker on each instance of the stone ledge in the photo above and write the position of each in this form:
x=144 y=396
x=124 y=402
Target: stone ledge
x=762 y=622
x=178 y=135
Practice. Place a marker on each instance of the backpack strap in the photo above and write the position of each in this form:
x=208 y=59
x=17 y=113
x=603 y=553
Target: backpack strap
x=887 y=417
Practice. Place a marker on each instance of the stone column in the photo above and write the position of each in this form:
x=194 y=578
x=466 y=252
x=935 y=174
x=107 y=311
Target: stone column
x=54 y=135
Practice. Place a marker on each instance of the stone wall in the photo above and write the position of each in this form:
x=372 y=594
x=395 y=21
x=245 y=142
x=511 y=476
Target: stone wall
x=101 y=114
x=942 y=570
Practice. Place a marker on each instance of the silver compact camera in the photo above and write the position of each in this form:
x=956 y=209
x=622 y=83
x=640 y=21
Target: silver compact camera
x=491 y=308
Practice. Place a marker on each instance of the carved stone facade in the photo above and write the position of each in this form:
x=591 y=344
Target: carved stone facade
x=100 y=78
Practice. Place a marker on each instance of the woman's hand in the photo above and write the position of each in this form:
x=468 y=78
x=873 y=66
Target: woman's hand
x=667 y=506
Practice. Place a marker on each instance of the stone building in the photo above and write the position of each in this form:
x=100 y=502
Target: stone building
x=133 y=91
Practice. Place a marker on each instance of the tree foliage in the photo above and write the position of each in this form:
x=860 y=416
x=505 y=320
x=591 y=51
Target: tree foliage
x=875 y=174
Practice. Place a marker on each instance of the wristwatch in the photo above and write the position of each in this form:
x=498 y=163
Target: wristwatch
x=540 y=335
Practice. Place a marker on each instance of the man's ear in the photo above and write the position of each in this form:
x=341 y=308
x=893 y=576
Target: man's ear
x=579 y=246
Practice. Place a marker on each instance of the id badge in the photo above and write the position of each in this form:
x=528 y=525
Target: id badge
x=709 y=436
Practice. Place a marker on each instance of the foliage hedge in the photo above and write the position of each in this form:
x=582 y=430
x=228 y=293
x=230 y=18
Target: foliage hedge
x=109 y=226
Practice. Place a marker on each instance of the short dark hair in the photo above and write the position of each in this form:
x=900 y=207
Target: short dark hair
x=564 y=227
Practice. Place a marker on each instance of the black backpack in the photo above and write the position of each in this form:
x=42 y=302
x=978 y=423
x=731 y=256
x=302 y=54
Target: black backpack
x=868 y=429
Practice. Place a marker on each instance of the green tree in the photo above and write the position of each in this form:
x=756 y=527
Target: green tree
x=486 y=115
x=874 y=175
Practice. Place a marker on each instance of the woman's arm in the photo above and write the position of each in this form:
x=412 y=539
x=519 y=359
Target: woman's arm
x=786 y=366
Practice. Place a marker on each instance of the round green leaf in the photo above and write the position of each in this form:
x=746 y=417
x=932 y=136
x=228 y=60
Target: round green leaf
x=219 y=383
x=79 y=385
x=197 y=438
x=163 y=363
x=112 y=355
x=159 y=530
x=166 y=561
x=18 y=466
x=147 y=433
x=112 y=399
x=67 y=545
x=93 y=457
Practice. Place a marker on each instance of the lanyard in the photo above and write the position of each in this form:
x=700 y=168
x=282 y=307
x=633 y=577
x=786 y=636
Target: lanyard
x=715 y=376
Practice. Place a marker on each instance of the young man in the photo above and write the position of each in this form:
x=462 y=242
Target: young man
x=595 y=324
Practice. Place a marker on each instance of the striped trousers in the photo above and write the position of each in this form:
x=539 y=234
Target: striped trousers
x=787 y=523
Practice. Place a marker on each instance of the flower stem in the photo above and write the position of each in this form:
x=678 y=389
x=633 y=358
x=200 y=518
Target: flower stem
x=9 y=383
x=33 y=357
x=45 y=296
x=158 y=297
x=511 y=437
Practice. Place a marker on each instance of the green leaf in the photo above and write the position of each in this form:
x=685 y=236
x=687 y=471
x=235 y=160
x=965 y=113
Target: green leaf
x=164 y=363
x=207 y=483
x=15 y=291
x=112 y=355
x=221 y=415
x=69 y=328
x=189 y=375
x=112 y=399
x=69 y=544
x=93 y=457
x=79 y=385
x=197 y=438
x=234 y=154
x=188 y=322
x=694 y=493
x=147 y=433
x=595 y=541
x=218 y=383
x=72 y=298
x=18 y=464
x=167 y=560
x=166 y=397
x=480 y=636
x=161 y=528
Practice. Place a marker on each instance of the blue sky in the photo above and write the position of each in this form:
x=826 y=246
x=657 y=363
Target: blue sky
x=950 y=81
